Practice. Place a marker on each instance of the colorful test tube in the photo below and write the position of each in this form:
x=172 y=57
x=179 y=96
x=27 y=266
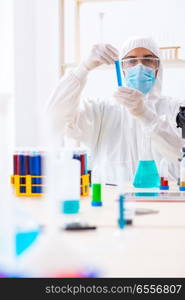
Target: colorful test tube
x=96 y=194
x=16 y=164
x=86 y=163
x=38 y=165
x=82 y=159
x=118 y=72
x=164 y=175
x=22 y=164
x=27 y=163
x=36 y=170
x=22 y=171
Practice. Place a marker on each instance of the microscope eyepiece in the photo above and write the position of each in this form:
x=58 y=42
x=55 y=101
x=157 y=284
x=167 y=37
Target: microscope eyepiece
x=180 y=120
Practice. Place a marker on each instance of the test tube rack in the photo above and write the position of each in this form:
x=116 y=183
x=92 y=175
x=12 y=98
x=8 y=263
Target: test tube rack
x=28 y=185
x=85 y=185
x=25 y=185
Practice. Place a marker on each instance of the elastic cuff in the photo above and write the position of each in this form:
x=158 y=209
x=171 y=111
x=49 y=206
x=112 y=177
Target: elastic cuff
x=148 y=117
x=80 y=72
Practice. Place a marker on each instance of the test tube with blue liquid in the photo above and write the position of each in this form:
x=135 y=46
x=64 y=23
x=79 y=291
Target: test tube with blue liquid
x=118 y=72
x=36 y=170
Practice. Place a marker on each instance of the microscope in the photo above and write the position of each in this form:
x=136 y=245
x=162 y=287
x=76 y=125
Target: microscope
x=180 y=120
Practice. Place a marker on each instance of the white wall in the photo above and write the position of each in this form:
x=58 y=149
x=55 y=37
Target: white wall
x=37 y=47
x=36 y=64
x=164 y=20
x=6 y=47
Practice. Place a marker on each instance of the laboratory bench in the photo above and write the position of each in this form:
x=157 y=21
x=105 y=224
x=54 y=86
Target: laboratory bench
x=153 y=246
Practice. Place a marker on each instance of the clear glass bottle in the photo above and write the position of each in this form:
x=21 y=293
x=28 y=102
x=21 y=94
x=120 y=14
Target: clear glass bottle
x=164 y=174
x=126 y=205
x=69 y=186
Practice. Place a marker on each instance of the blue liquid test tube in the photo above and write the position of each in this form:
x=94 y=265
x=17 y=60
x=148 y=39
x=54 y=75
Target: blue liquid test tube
x=35 y=170
x=118 y=72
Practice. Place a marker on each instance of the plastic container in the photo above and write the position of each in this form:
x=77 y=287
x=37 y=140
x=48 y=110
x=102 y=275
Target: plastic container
x=27 y=230
x=70 y=184
x=126 y=207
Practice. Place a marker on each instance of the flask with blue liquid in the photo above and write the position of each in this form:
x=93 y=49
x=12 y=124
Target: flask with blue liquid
x=146 y=175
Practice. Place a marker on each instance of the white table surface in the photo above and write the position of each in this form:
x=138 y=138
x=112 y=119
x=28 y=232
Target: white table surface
x=154 y=246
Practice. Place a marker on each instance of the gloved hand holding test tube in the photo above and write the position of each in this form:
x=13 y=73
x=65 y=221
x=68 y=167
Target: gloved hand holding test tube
x=101 y=54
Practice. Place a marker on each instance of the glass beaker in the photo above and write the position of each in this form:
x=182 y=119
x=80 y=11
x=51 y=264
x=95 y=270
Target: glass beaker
x=146 y=175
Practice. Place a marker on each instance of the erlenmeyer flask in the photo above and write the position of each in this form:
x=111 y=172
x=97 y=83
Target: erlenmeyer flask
x=146 y=175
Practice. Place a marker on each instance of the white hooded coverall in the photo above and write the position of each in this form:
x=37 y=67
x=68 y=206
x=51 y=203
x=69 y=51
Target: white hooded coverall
x=107 y=128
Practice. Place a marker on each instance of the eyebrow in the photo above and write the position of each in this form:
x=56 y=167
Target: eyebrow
x=134 y=56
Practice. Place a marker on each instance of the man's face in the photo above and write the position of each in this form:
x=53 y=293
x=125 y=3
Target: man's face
x=141 y=52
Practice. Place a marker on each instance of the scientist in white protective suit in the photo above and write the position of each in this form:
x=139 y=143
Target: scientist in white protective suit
x=113 y=129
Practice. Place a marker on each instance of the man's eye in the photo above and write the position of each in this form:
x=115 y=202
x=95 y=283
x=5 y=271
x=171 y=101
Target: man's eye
x=148 y=61
x=132 y=61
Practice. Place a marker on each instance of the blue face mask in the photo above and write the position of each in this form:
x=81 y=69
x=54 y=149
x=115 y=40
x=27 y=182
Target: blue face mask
x=140 y=78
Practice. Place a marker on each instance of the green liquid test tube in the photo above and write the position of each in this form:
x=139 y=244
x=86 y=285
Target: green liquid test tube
x=96 y=194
